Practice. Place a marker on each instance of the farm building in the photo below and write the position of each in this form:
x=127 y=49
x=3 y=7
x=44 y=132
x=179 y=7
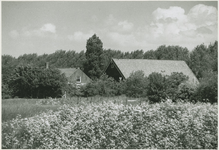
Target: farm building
x=121 y=69
x=75 y=76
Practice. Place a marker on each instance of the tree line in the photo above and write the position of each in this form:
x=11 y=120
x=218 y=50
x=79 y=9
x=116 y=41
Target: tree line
x=202 y=60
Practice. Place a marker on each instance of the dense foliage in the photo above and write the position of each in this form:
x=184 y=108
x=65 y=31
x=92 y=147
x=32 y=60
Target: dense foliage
x=165 y=87
x=104 y=86
x=199 y=59
x=202 y=60
x=136 y=84
x=156 y=87
x=31 y=82
x=207 y=91
x=112 y=126
x=186 y=92
x=172 y=83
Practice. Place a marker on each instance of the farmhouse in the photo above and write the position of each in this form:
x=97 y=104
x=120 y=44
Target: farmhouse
x=121 y=69
x=75 y=76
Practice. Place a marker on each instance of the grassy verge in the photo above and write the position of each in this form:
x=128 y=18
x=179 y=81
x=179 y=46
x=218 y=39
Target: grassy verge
x=24 y=107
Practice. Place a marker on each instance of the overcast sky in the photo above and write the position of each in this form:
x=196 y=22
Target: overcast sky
x=44 y=27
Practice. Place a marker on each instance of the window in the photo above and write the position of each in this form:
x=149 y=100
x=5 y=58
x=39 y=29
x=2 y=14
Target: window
x=78 y=79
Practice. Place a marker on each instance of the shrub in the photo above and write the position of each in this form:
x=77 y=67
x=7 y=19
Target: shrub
x=156 y=87
x=33 y=82
x=90 y=89
x=185 y=91
x=135 y=85
x=164 y=87
x=208 y=88
x=105 y=86
x=172 y=83
x=6 y=92
x=71 y=91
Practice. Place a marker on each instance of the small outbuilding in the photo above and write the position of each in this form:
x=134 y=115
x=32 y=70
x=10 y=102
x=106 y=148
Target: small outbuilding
x=121 y=69
x=75 y=76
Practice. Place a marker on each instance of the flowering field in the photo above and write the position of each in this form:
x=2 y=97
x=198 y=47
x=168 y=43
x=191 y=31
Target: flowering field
x=109 y=125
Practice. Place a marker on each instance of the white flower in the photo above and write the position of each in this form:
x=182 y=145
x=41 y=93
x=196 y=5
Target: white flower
x=47 y=123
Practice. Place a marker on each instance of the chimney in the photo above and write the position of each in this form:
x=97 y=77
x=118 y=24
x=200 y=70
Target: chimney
x=47 y=65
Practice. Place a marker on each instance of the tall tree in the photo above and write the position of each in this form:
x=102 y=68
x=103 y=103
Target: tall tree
x=200 y=60
x=213 y=52
x=138 y=54
x=172 y=53
x=150 y=55
x=8 y=64
x=94 y=55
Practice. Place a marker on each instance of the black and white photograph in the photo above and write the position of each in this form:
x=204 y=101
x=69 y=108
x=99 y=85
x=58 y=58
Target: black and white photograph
x=109 y=74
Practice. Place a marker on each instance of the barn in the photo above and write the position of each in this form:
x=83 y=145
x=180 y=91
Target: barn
x=121 y=69
x=75 y=76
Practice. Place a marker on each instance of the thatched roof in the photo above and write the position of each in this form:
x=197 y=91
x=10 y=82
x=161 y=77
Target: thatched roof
x=166 y=67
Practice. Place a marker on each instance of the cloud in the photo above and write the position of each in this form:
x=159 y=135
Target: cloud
x=202 y=15
x=168 y=21
x=80 y=36
x=110 y=20
x=174 y=26
x=177 y=21
x=114 y=25
x=13 y=34
x=119 y=32
x=48 y=28
x=204 y=30
x=122 y=40
x=125 y=25
x=94 y=18
x=173 y=14
x=170 y=26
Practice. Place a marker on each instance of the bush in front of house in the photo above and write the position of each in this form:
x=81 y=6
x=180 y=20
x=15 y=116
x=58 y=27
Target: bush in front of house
x=72 y=90
x=136 y=84
x=90 y=89
x=156 y=87
x=207 y=90
x=164 y=87
x=186 y=92
x=104 y=86
x=34 y=82
x=172 y=83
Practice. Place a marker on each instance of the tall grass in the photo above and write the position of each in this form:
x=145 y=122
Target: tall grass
x=29 y=107
x=23 y=107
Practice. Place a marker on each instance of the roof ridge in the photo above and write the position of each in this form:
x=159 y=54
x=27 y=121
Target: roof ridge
x=66 y=68
x=149 y=59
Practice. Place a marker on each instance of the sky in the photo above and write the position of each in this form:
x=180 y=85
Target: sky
x=45 y=27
